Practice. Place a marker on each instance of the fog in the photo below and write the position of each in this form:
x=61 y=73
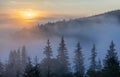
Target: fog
x=99 y=29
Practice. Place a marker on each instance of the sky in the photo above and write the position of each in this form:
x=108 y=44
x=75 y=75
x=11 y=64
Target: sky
x=50 y=10
x=72 y=7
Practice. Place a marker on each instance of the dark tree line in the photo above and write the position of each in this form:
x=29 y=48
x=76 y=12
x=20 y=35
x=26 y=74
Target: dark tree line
x=20 y=65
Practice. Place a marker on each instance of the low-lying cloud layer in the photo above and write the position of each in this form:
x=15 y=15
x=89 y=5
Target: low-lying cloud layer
x=100 y=29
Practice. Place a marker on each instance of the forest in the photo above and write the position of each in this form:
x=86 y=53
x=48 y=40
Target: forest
x=20 y=65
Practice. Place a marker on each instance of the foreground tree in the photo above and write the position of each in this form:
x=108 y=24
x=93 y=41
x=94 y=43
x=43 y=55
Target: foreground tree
x=93 y=58
x=111 y=63
x=93 y=64
x=63 y=59
x=79 y=62
x=46 y=63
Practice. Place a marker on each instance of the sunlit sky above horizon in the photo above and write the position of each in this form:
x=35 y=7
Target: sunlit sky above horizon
x=70 y=7
x=49 y=10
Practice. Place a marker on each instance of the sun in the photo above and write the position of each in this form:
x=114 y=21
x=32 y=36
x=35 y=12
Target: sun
x=28 y=14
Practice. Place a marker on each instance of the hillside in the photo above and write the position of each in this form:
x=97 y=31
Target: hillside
x=87 y=28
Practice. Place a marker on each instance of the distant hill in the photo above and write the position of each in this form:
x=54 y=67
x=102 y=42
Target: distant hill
x=80 y=28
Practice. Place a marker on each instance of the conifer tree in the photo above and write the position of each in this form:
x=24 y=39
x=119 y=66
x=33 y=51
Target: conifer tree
x=48 y=50
x=93 y=58
x=47 y=60
x=93 y=64
x=79 y=62
x=111 y=62
x=63 y=58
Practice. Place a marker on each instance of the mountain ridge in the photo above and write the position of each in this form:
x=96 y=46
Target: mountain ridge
x=73 y=27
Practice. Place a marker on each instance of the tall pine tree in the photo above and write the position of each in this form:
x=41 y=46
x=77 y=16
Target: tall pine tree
x=93 y=58
x=63 y=58
x=111 y=62
x=79 y=62
x=93 y=64
x=47 y=60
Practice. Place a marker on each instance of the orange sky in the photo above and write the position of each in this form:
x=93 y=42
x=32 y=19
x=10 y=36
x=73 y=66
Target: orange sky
x=49 y=10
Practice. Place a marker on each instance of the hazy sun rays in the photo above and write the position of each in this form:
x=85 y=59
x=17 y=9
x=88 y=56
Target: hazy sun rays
x=28 y=14
x=24 y=17
x=27 y=17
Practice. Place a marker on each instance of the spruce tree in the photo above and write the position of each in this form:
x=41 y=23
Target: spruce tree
x=111 y=62
x=63 y=58
x=48 y=50
x=79 y=62
x=47 y=60
x=93 y=58
x=93 y=64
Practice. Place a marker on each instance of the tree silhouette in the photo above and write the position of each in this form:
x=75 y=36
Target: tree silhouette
x=47 y=60
x=79 y=62
x=63 y=58
x=111 y=63
x=92 y=69
x=93 y=58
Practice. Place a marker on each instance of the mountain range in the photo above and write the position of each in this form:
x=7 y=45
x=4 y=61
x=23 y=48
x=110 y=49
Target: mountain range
x=86 y=28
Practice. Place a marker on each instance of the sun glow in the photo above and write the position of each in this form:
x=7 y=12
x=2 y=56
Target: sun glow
x=28 y=14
